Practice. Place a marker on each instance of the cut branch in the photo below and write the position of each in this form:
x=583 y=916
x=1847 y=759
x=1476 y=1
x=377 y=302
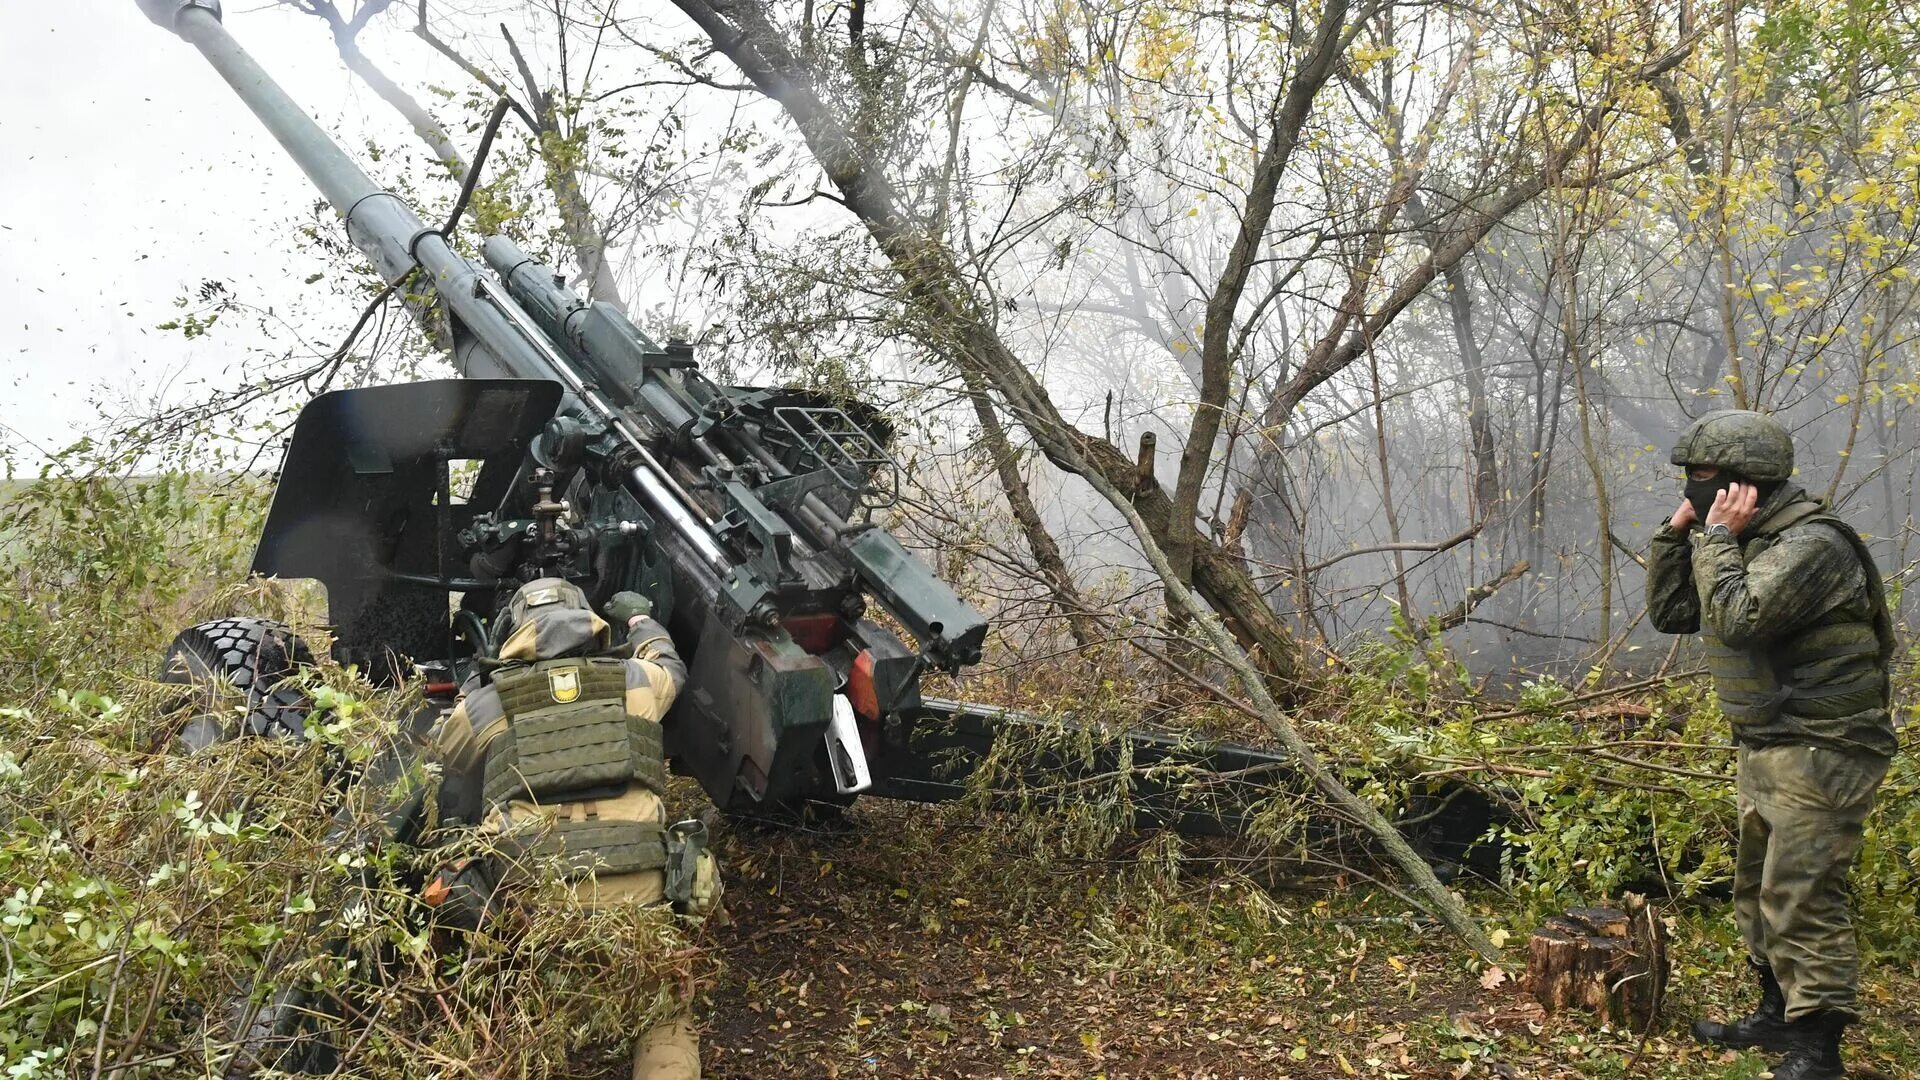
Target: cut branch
x=1476 y=596
x=1453 y=541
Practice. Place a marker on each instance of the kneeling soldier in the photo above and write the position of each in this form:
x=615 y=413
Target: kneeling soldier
x=1799 y=641
x=557 y=746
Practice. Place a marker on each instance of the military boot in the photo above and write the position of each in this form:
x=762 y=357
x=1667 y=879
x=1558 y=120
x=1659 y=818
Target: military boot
x=1766 y=1027
x=1816 y=1048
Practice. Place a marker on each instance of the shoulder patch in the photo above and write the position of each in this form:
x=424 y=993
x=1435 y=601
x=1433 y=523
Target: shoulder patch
x=541 y=597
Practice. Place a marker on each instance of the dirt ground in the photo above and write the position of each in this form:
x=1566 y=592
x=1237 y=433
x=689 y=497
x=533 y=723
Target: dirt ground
x=927 y=942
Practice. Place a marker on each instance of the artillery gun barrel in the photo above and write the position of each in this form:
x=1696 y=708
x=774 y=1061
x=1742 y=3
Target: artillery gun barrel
x=627 y=363
x=493 y=337
x=620 y=361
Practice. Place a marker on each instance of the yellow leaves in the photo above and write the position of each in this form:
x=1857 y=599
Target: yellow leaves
x=1842 y=399
x=1163 y=48
x=1364 y=57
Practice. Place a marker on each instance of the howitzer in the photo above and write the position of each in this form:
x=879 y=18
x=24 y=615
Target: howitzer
x=743 y=513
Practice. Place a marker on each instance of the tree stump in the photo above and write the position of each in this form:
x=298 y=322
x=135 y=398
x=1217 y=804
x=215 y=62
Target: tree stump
x=1610 y=962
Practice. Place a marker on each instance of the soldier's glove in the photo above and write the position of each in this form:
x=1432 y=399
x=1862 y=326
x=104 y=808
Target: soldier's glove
x=628 y=606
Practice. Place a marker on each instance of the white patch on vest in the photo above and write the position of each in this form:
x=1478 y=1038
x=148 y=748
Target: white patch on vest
x=564 y=684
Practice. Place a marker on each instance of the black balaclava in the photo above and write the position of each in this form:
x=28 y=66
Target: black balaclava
x=1701 y=493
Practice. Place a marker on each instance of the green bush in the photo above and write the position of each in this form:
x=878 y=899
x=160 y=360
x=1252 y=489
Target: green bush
x=147 y=898
x=1629 y=795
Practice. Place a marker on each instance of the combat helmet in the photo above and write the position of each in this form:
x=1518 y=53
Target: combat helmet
x=546 y=618
x=1752 y=444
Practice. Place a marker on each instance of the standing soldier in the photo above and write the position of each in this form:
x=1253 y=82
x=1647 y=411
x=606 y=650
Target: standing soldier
x=1794 y=618
x=558 y=749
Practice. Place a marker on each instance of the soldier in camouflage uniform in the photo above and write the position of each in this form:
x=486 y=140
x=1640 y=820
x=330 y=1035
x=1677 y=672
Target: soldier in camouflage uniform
x=1794 y=618
x=557 y=747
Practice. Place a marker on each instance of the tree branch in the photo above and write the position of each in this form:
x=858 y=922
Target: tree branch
x=1435 y=545
x=425 y=33
x=1477 y=595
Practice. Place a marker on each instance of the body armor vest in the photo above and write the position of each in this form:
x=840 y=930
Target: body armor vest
x=570 y=740
x=1808 y=683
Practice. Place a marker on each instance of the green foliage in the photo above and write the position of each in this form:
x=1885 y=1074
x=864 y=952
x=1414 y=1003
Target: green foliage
x=1622 y=795
x=146 y=898
x=99 y=562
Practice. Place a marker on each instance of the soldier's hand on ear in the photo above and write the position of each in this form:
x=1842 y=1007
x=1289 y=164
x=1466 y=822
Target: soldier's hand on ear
x=1684 y=518
x=1734 y=507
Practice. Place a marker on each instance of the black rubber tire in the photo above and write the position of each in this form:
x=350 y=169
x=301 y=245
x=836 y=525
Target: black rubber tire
x=254 y=656
x=282 y=1034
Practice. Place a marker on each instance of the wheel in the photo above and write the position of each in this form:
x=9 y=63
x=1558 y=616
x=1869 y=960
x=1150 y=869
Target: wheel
x=283 y=1034
x=254 y=656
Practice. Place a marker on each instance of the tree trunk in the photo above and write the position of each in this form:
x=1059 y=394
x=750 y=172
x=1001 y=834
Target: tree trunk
x=1046 y=553
x=1488 y=504
x=1610 y=962
x=415 y=114
x=1216 y=333
x=1386 y=491
x=576 y=216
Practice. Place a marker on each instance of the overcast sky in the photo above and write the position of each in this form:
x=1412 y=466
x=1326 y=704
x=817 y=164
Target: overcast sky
x=129 y=173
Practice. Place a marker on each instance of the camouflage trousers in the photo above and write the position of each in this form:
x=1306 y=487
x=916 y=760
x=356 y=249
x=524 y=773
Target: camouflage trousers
x=1802 y=811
